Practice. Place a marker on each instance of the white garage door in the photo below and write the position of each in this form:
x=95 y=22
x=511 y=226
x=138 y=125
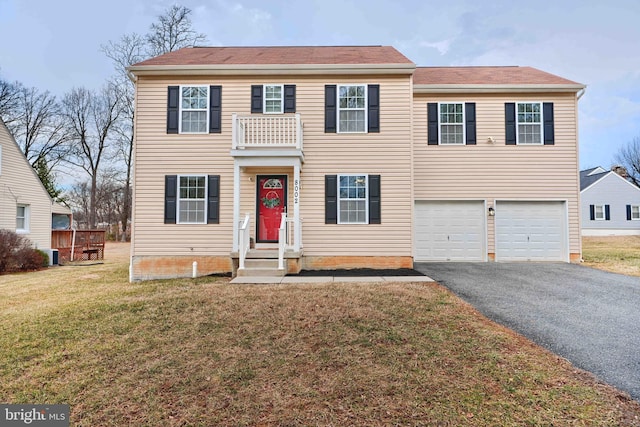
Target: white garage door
x=450 y=231
x=531 y=231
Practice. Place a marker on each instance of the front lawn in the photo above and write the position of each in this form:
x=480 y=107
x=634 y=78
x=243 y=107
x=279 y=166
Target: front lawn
x=203 y=352
x=618 y=254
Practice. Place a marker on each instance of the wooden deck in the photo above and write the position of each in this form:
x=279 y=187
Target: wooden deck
x=89 y=244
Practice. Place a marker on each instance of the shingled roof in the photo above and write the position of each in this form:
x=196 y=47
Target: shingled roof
x=587 y=177
x=336 y=59
x=486 y=76
x=280 y=55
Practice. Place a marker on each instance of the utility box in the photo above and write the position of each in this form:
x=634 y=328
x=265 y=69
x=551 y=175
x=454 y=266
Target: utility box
x=53 y=257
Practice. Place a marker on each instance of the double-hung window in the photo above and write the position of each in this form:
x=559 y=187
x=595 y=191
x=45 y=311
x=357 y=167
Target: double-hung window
x=635 y=212
x=529 y=123
x=452 y=123
x=192 y=192
x=22 y=219
x=352 y=199
x=352 y=108
x=273 y=99
x=599 y=212
x=194 y=101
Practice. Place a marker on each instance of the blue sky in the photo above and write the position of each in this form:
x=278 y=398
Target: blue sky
x=55 y=45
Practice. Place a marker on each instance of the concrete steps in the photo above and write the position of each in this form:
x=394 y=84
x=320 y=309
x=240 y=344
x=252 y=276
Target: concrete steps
x=261 y=263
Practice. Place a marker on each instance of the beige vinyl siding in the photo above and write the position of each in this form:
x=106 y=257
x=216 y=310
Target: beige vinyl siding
x=491 y=171
x=19 y=185
x=387 y=153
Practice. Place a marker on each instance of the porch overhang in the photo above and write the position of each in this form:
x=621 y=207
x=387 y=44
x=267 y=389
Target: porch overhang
x=267 y=157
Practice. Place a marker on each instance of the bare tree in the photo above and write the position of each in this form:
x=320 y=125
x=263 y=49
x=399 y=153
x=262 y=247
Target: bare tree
x=79 y=199
x=91 y=118
x=39 y=127
x=629 y=157
x=173 y=31
x=9 y=101
x=124 y=53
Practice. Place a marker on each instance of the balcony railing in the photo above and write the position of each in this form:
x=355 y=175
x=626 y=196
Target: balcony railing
x=263 y=131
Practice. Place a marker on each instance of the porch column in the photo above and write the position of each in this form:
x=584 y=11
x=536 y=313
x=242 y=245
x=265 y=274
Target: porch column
x=236 y=204
x=296 y=207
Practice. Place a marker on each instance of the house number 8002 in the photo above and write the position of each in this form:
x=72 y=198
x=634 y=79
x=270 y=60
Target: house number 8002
x=296 y=191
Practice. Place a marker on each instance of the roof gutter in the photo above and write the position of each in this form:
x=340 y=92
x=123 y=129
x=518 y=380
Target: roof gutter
x=270 y=69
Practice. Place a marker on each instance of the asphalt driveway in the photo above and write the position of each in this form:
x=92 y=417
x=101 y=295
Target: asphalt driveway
x=590 y=317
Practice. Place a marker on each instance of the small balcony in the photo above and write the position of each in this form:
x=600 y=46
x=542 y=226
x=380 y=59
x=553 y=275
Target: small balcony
x=264 y=135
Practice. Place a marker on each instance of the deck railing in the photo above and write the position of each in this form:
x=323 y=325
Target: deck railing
x=263 y=131
x=244 y=240
x=78 y=245
x=287 y=239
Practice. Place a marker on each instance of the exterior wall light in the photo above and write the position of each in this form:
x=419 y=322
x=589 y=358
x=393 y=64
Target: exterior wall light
x=492 y=211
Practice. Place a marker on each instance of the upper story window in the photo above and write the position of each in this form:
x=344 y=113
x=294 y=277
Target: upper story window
x=451 y=122
x=194 y=101
x=22 y=219
x=635 y=212
x=194 y=109
x=352 y=108
x=191 y=199
x=273 y=99
x=529 y=122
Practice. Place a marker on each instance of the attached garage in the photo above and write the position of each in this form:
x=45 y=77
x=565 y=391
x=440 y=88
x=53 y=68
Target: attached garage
x=531 y=231
x=450 y=231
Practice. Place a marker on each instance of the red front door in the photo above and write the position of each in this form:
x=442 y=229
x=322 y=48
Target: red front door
x=272 y=201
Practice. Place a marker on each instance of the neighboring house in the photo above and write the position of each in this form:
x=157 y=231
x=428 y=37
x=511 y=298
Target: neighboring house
x=610 y=204
x=370 y=160
x=25 y=205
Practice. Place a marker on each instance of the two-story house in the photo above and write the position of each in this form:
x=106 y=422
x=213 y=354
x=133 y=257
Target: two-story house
x=267 y=160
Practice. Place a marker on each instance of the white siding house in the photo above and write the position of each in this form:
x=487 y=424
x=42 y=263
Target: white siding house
x=610 y=204
x=25 y=205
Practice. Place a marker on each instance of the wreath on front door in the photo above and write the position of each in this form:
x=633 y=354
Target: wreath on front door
x=271 y=200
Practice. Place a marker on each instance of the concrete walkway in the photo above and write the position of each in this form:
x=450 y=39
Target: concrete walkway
x=329 y=279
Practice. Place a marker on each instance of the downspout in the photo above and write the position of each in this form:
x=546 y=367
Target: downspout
x=581 y=92
x=73 y=243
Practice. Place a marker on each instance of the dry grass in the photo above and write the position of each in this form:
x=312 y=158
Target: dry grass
x=618 y=254
x=203 y=352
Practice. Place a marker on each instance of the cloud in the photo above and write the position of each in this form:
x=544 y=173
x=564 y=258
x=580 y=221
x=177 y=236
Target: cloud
x=441 y=46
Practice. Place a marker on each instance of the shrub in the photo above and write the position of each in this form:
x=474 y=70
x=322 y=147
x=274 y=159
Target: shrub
x=16 y=253
x=28 y=259
x=45 y=258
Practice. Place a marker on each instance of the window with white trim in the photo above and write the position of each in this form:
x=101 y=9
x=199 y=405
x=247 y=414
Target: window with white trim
x=451 y=122
x=599 y=212
x=273 y=99
x=22 y=219
x=352 y=199
x=192 y=192
x=352 y=108
x=194 y=109
x=529 y=123
x=635 y=212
